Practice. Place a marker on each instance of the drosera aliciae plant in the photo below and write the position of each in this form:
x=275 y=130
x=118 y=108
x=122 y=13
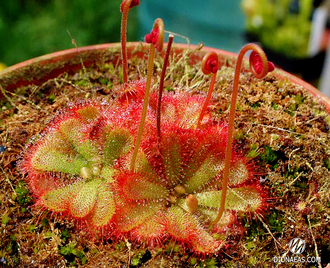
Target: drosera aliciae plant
x=80 y=167
x=285 y=127
x=93 y=164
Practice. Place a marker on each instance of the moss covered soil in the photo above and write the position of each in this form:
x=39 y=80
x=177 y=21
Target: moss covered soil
x=279 y=125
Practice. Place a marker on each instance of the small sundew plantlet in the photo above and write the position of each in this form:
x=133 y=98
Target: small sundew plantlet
x=181 y=180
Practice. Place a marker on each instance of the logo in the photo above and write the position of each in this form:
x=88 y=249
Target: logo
x=297 y=246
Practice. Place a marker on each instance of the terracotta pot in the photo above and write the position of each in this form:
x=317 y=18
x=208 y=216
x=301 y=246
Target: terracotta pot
x=40 y=69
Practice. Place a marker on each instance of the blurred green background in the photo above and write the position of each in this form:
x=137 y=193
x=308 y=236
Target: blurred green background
x=30 y=28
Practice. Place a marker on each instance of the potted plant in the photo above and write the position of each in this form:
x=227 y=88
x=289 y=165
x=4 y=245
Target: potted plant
x=100 y=185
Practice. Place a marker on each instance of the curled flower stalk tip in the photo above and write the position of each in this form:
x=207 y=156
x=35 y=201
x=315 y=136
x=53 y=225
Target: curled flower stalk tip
x=127 y=4
x=210 y=64
x=156 y=36
x=257 y=62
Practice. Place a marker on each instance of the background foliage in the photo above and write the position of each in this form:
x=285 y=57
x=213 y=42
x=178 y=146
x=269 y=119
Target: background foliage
x=283 y=26
x=30 y=28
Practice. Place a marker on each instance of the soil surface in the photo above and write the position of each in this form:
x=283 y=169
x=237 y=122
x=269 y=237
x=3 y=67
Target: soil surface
x=279 y=125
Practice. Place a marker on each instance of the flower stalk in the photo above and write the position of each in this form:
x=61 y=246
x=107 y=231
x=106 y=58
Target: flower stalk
x=126 y=5
x=259 y=66
x=156 y=40
x=161 y=84
x=210 y=64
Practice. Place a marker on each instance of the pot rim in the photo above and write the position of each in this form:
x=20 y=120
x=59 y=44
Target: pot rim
x=65 y=55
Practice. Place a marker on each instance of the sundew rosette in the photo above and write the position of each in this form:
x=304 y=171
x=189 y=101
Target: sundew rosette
x=79 y=168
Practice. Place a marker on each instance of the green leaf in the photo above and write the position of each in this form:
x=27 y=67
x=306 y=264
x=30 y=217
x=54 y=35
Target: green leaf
x=88 y=114
x=150 y=228
x=208 y=170
x=84 y=201
x=204 y=162
x=171 y=151
x=241 y=199
x=5 y=219
x=137 y=187
x=117 y=143
x=107 y=173
x=56 y=154
x=72 y=129
x=238 y=172
x=104 y=207
x=58 y=200
x=186 y=228
x=131 y=215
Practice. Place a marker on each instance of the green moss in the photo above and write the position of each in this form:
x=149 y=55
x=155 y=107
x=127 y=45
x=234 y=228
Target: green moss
x=255 y=105
x=20 y=91
x=120 y=246
x=239 y=107
x=291 y=172
x=65 y=235
x=300 y=99
x=71 y=254
x=137 y=257
x=32 y=228
x=82 y=82
x=276 y=222
x=292 y=107
x=301 y=184
x=209 y=263
x=169 y=89
x=240 y=135
x=103 y=81
x=94 y=251
x=288 y=111
x=327 y=162
x=5 y=219
x=274 y=105
x=44 y=222
x=22 y=193
x=172 y=247
x=48 y=234
x=51 y=98
x=270 y=157
x=250 y=245
x=193 y=261
x=254 y=151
